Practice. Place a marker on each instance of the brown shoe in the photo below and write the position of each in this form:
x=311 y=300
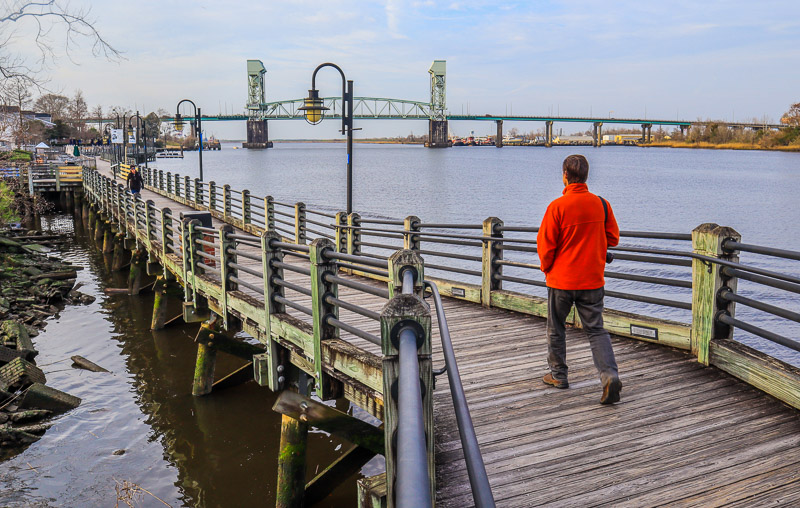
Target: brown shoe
x=550 y=380
x=611 y=391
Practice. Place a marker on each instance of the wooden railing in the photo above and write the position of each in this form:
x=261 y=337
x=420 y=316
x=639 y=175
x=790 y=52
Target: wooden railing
x=501 y=256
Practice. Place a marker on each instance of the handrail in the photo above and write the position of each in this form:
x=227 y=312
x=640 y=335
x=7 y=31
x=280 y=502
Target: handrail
x=412 y=454
x=476 y=470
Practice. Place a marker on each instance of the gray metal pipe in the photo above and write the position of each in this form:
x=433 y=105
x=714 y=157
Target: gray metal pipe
x=478 y=479
x=412 y=455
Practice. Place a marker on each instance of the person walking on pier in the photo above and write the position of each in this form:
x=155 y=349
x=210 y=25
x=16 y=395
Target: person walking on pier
x=135 y=182
x=572 y=243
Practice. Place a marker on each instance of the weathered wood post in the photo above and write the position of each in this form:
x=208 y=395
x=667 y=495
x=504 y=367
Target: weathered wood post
x=226 y=201
x=269 y=213
x=119 y=252
x=108 y=238
x=169 y=183
x=177 y=185
x=161 y=180
x=269 y=370
x=247 y=208
x=300 y=223
x=206 y=356
x=411 y=226
x=138 y=259
x=403 y=311
x=322 y=309
x=225 y=270
x=492 y=253
x=198 y=193
x=291 y=463
x=707 y=281
x=340 y=231
x=212 y=195
x=149 y=221
x=160 y=303
x=354 y=234
x=167 y=227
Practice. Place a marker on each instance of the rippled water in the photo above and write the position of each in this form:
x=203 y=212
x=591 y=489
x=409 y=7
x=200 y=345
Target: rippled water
x=650 y=189
x=219 y=450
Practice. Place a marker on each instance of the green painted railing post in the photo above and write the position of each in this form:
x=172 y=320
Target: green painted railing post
x=269 y=213
x=167 y=245
x=411 y=226
x=226 y=201
x=340 y=231
x=198 y=193
x=354 y=234
x=149 y=222
x=270 y=371
x=322 y=309
x=225 y=270
x=191 y=247
x=492 y=253
x=401 y=311
x=707 y=283
x=247 y=211
x=212 y=195
x=300 y=223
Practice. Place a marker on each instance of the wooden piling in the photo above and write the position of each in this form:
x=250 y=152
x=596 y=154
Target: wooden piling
x=119 y=253
x=206 y=357
x=291 y=463
x=135 y=276
x=108 y=239
x=159 y=304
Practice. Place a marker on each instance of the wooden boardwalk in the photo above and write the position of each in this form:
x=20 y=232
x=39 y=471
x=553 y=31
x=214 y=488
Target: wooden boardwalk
x=683 y=434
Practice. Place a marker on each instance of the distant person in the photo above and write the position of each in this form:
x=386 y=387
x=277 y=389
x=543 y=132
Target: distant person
x=573 y=240
x=135 y=182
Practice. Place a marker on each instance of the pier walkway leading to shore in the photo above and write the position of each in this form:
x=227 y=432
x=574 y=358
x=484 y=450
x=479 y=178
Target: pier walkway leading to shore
x=683 y=434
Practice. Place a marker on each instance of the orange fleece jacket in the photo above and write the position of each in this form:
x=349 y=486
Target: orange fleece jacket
x=573 y=240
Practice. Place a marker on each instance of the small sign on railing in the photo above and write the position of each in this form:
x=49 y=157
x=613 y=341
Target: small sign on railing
x=644 y=332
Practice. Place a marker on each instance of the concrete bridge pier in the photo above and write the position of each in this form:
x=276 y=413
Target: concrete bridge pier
x=257 y=134
x=548 y=133
x=437 y=134
x=683 y=129
x=498 y=140
x=647 y=129
x=597 y=134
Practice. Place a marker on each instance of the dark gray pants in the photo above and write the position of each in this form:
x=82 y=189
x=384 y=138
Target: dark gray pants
x=589 y=305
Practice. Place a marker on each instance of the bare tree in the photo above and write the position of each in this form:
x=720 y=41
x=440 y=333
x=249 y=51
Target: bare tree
x=97 y=114
x=53 y=104
x=78 y=110
x=43 y=17
x=17 y=93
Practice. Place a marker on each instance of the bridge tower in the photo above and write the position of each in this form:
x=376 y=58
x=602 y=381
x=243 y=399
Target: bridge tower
x=437 y=124
x=257 y=133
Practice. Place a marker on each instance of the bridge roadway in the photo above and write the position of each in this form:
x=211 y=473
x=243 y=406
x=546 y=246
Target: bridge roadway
x=683 y=434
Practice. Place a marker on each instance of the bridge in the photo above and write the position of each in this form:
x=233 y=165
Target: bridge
x=259 y=111
x=349 y=306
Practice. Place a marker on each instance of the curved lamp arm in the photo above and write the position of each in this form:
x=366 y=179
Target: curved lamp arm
x=344 y=86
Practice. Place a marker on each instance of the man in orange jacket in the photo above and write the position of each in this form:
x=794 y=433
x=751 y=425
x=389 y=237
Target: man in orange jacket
x=576 y=231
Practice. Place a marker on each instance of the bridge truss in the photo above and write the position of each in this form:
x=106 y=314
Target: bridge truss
x=363 y=107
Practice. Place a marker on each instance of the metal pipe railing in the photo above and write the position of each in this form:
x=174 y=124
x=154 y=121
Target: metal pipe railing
x=476 y=470
x=412 y=453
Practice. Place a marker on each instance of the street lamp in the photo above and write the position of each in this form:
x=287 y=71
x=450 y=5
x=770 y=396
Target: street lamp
x=141 y=131
x=314 y=111
x=197 y=125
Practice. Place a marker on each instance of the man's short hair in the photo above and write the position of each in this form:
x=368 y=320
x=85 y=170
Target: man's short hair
x=576 y=167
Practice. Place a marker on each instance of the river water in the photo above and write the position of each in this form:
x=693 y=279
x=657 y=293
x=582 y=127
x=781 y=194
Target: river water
x=221 y=450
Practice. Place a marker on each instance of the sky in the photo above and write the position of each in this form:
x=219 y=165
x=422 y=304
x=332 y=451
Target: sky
x=727 y=60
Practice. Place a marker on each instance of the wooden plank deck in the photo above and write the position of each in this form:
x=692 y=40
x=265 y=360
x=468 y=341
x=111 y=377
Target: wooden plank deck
x=683 y=434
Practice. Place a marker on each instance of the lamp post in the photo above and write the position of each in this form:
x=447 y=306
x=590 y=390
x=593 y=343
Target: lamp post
x=315 y=110
x=141 y=131
x=197 y=125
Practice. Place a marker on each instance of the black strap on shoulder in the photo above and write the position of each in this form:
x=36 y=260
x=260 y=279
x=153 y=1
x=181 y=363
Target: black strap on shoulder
x=605 y=208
